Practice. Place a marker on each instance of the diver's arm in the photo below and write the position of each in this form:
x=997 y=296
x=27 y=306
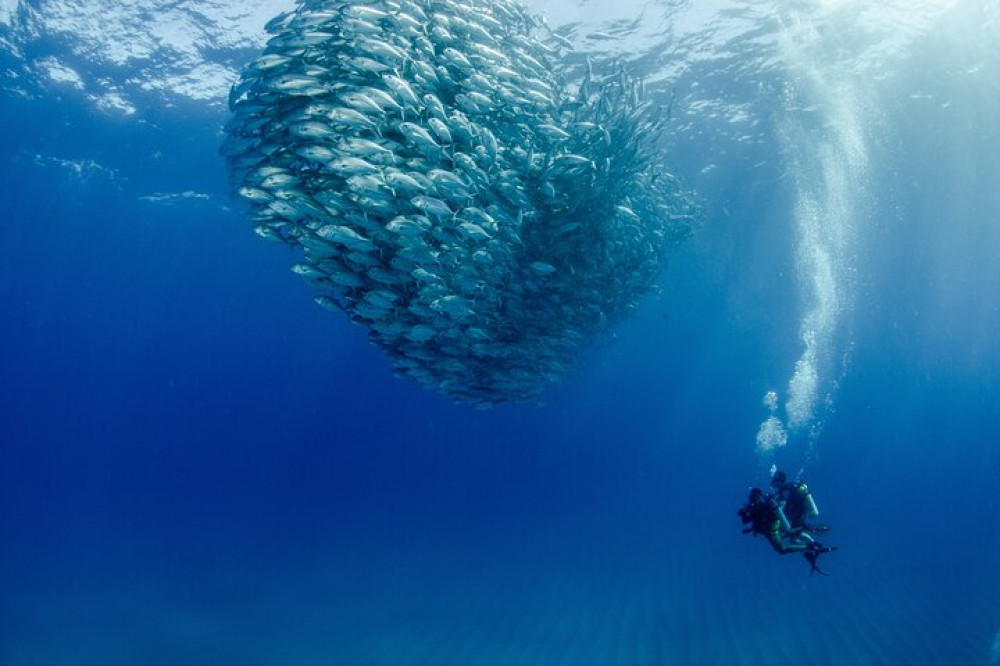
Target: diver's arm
x=785 y=525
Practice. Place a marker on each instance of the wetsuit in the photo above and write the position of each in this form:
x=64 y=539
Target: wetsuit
x=764 y=520
x=763 y=515
x=793 y=494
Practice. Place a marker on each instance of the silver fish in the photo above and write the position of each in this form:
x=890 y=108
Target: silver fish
x=346 y=236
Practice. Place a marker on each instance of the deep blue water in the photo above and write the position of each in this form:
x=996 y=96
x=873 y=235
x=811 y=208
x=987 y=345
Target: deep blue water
x=198 y=465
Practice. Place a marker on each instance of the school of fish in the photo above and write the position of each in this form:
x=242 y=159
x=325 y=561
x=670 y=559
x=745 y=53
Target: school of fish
x=445 y=188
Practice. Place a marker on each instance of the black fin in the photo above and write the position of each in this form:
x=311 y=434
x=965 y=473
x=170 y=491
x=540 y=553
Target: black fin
x=812 y=556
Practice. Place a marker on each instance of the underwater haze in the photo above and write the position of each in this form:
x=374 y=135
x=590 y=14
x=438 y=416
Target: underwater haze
x=200 y=465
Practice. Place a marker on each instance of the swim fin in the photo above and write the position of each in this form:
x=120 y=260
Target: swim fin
x=813 y=555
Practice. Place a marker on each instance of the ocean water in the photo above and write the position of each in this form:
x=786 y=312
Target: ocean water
x=198 y=465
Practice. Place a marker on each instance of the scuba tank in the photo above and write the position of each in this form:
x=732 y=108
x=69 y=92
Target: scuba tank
x=811 y=509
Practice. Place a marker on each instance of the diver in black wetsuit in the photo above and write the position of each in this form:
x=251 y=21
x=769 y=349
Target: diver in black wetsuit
x=763 y=515
x=796 y=504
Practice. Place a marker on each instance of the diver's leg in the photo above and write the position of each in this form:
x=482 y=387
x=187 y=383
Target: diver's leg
x=819 y=529
x=804 y=537
x=783 y=548
x=811 y=557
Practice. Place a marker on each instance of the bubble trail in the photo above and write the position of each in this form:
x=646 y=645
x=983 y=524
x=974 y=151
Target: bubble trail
x=824 y=138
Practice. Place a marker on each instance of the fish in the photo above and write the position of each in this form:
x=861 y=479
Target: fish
x=542 y=268
x=366 y=149
x=353 y=166
x=448 y=183
x=336 y=233
x=380 y=50
x=454 y=306
x=424 y=275
x=293 y=83
x=473 y=231
x=419 y=137
x=434 y=105
x=404 y=91
x=409 y=226
x=441 y=185
x=399 y=181
x=421 y=333
x=279 y=180
x=432 y=206
x=440 y=129
x=316 y=153
x=351 y=118
x=363 y=104
x=255 y=193
x=552 y=132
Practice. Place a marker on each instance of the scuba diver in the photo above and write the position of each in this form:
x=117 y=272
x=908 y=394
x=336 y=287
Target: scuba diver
x=796 y=503
x=763 y=515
